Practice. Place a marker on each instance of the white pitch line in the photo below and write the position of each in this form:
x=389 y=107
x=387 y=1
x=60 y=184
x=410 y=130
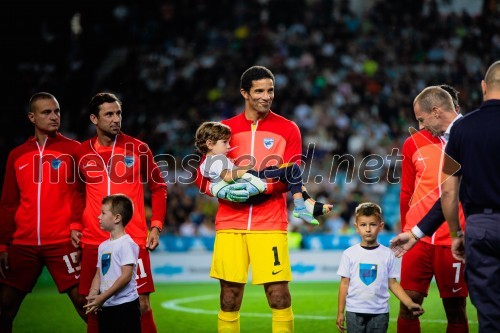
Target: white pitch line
x=175 y=305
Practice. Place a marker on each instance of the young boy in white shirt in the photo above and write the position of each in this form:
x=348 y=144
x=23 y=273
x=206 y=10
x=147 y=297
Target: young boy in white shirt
x=113 y=294
x=368 y=270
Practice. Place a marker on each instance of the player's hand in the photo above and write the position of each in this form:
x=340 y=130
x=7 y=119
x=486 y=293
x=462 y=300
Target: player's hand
x=75 y=238
x=457 y=248
x=231 y=192
x=4 y=263
x=94 y=303
x=153 y=239
x=254 y=185
x=402 y=243
x=416 y=309
x=341 y=322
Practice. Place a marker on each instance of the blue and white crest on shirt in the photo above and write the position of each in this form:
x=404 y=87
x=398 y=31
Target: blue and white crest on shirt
x=105 y=262
x=129 y=161
x=268 y=142
x=367 y=273
x=55 y=163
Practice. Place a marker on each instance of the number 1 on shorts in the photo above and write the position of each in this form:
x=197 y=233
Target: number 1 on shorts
x=276 y=257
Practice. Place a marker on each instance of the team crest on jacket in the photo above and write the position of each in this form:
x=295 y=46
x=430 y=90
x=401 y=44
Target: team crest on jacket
x=268 y=142
x=129 y=161
x=55 y=163
x=367 y=273
x=90 y=163
x=105 y=262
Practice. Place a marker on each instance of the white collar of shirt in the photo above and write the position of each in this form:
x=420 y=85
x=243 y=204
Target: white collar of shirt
x=446 y=134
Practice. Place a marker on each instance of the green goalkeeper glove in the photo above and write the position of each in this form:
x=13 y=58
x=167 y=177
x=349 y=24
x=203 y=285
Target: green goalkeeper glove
x=254 y=185
x=231 y=192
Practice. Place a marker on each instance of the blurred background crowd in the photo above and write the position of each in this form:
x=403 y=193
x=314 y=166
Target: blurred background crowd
x=346 y=73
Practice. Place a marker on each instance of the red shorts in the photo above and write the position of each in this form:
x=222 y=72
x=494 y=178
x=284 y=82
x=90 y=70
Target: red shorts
x=89 y=267
x=424 y=261
x=26 y=263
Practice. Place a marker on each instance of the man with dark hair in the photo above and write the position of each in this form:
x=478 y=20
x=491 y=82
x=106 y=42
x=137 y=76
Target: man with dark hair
x=256 y=233
x=113 y=162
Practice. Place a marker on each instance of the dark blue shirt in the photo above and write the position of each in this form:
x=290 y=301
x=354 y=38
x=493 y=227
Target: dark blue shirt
x=475 y=145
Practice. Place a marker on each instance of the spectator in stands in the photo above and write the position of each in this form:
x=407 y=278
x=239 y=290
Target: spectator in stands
x=161 y=70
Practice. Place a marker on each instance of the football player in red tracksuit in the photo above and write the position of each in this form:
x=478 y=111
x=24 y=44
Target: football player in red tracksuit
x=35 y=212
x=256 y=233
x=420 y=201
x=111 y=163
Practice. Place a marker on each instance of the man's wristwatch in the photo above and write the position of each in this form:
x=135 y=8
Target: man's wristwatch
x=455 y=234
x=159 y=229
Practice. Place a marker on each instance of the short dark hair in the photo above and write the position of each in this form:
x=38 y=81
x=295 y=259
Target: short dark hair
x=210 y=130
x=120 y=204
x=100 y=99
x=254 y=73
x=39 y=96
x=453 y=93
x=369 y=209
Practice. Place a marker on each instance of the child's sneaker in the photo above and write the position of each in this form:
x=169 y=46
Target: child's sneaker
x=305 y=215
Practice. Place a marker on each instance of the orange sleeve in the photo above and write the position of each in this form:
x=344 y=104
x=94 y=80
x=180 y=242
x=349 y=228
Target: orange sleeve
x=408 y=175
x=293 y=153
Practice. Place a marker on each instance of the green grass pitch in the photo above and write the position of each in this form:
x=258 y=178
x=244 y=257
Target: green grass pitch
x=192 y=307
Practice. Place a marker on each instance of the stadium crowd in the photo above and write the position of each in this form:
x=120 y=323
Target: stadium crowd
x=347 y=78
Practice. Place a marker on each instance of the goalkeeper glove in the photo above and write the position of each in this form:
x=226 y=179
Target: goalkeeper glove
x=231 y=192
x=254 y=185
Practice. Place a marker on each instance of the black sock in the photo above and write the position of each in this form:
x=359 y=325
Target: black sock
x=318 y=208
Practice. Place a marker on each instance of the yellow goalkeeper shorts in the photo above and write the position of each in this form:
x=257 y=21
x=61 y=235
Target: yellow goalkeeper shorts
x=267 y=253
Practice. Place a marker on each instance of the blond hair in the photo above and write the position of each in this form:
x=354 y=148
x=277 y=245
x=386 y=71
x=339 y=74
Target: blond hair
x=434 y=96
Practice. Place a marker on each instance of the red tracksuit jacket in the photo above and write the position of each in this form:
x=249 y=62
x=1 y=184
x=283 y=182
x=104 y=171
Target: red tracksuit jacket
x=123 y=168
x=37 y=192
x=420 y=183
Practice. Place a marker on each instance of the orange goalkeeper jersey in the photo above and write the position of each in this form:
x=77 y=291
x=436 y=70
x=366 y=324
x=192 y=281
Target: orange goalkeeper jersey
x=37 y=192
x=271 y=141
